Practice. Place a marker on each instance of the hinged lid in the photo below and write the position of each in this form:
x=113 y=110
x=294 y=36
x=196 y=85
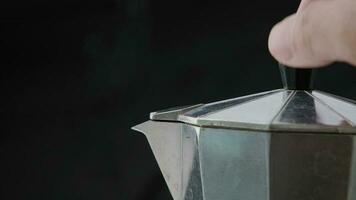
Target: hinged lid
x=296 y=108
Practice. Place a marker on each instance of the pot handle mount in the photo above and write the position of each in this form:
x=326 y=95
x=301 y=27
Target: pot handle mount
x=296 y=78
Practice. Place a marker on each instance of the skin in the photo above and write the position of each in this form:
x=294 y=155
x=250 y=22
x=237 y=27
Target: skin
x=318 y=34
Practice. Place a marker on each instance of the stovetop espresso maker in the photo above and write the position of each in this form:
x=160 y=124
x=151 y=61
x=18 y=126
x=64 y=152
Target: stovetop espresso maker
x=294 y=143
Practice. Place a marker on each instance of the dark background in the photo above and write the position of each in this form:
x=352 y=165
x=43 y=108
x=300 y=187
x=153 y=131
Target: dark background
x=76 y=75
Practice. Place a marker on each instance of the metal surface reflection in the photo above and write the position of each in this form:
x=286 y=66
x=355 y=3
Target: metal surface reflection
x=192 y=183
x=287 y=144
x=208 y=163
x=308 y=166
x=235 y=164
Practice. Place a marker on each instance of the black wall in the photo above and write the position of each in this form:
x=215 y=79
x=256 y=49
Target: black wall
x=76 y=75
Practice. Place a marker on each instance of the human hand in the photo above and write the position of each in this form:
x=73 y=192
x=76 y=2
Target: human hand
x=321 y=32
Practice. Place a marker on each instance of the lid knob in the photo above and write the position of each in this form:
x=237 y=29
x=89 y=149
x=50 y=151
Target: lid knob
x=295 y=78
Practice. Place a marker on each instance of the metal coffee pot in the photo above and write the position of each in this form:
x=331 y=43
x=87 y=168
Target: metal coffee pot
x=294 y=143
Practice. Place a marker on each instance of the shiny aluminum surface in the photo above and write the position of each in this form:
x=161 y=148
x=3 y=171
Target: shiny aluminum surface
x=200 y=163
x=279 y=110
x=288 y=144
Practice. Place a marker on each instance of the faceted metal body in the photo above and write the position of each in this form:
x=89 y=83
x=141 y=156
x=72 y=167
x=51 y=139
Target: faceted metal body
x=212 y=163
x=277 y=145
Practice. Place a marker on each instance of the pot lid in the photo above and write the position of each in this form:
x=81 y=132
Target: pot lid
x=295 y=108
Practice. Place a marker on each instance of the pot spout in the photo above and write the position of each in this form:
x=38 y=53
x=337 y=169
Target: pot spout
x=165 y=141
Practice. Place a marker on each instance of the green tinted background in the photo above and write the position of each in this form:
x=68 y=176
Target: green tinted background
x=76 y=75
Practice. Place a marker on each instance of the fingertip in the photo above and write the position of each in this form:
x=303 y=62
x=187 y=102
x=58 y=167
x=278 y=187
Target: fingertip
x=279 y=41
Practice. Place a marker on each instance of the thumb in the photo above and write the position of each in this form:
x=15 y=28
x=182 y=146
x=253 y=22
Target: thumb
x=318 y=34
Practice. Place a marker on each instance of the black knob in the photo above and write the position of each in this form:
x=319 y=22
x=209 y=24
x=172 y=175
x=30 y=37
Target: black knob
x=296 y=78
